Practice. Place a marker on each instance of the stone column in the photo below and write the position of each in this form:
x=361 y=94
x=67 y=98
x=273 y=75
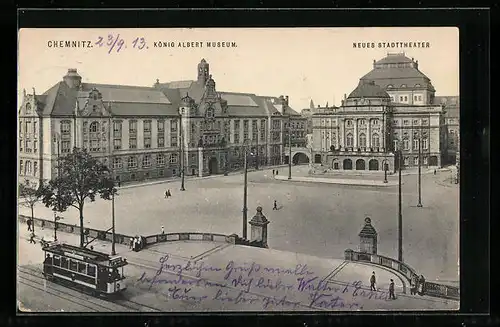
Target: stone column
x=369 y=136
x=341 y=133
x=355 y=139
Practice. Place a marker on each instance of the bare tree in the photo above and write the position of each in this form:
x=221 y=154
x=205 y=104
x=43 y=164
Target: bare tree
x=80 y=177
x=30 y=196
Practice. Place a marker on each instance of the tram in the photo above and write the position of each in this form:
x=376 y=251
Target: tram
x=95 y=272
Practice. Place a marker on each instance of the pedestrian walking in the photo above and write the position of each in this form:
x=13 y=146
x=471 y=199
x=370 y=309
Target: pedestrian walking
x=119 y=184
x=169 y=194
x=166 y=194
x=162 y=230
x=414 y=285
x=275 y=205
x=273 y=172
x=131 y=245
x=32 y=238
x=434 y=171
x=28 y=222
x=373 y=280
x=421 y=284
x=391 y=290
x=276 y=171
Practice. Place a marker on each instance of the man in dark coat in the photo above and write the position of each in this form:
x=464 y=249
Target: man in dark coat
x=372 y=282
x=391 y=290
x=28 y=222
x=275 y=205
x=32 y=238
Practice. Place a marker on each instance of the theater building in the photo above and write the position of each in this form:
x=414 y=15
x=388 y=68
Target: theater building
x=393 y=108
x=145 y=132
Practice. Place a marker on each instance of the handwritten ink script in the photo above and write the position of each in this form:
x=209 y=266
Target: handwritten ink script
x=279 y=288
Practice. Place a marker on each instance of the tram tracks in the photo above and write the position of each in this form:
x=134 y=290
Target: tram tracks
x=33 y=278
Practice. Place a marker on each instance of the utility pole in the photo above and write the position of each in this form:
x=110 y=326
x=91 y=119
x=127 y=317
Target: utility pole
x=419 y=172
x=58 y=142
x=400 y=213
x=257 y=149
x=111 y=163
x=289 y=146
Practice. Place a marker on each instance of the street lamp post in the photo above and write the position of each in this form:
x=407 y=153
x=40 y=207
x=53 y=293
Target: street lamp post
x=385 y=171
x=419 y=173
x=245 y=188
x=57 y=139
x=182 y=152
x=113 y=249
x=400 y=213
x=289 y=147
x=56 y=218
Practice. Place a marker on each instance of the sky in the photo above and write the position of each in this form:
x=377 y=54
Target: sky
x=304 y=63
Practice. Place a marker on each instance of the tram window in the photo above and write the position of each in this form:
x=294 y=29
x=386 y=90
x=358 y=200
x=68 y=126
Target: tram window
x=82 y=267
x=57 y=260
x=91 y=270
x=64 y=263
x=72 y=265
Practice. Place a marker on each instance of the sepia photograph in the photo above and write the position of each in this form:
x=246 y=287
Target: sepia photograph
x=238 y=169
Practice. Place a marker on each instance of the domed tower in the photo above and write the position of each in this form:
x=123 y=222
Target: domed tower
x=203 y=71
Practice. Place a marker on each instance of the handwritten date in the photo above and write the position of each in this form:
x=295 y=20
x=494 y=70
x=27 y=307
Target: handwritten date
x=116 y=43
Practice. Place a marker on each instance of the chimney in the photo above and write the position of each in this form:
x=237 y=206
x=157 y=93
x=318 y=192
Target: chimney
x=72 y=79
x=34 y=93
x=286 y=100
x=24 y=92
x=345 y=96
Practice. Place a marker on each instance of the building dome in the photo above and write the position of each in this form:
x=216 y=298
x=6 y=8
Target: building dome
x=368 y=89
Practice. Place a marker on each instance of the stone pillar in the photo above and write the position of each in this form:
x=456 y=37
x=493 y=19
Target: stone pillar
x=259 y=224
x=341 y=133
x=200 y=162
x=368 y=238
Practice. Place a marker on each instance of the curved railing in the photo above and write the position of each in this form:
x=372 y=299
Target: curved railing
x=126 y=239
x=430 y=288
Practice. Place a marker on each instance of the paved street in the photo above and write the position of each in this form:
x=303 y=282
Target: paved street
x=317 y=219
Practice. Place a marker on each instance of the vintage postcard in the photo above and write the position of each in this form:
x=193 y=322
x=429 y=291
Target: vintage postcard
x=270 y=169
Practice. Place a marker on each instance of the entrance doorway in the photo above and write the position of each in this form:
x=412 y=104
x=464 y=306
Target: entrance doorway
x=347 y=164
x=433 y=161
x=360 y=164
x=213 y=166
x=300 y=158
x=373 y=164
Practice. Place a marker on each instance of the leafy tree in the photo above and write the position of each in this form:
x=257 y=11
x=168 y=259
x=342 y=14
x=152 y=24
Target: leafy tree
x=80 y=177
x=30 y=197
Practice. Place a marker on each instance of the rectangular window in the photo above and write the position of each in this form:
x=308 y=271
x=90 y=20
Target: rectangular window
x=117 y=129
x=132 y=126
x=35 y=146
x=236 y=124
x=236 y=137
x=160 y=124
x=406 y=144
x=147 y=142
x=245 y=136
x=28 y=128
x=245 y=125
x=415 y=144
x=21 y=145
x=415 y=161
x=35 y=131
x=405 y=122
x=173 y=141
x=173 y=126
x=117 y=163
x=160 y=160
x=406 y=161
x=132 y=162
x=28 y=146
x=424 y=144
x=132 y=143
x=91 y=270
x=94 y=145
x=65 y=146
x=161 y=141
x=424 y=160
x=174 y=158
x=35 y=168
x=147 y=126
x=117 y=144
x=146 y=161
x=65 y=127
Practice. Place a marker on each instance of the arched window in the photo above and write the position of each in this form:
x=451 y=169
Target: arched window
x=362 y=140
x=28 y=108
x=417 y=85
x=94 y=127
x=376 y=140
x=27 y=169
x=349 y=140
x=390 y=86
x=349 y=122
x=403 y=85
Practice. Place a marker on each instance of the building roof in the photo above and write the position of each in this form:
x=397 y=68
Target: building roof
x=451 y=105
x=396 y=70
x=368 y=89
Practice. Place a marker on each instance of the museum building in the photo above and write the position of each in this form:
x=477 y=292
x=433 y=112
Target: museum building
x=393 y=108
x=145 y=132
